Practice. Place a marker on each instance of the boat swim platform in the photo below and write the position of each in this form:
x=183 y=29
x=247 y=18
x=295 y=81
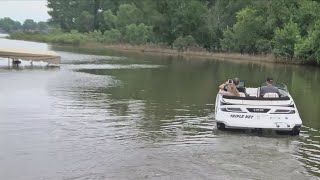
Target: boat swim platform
x=33 y=55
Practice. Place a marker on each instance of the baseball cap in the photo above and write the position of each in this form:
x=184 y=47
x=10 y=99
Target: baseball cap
x=269 y=79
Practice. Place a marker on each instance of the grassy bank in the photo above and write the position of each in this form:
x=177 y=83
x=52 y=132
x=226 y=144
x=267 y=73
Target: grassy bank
x=202 y=53
x=94 y=41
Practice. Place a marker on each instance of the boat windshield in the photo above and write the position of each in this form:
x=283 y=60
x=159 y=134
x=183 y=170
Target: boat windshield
x=278 y=85
x=281 y=86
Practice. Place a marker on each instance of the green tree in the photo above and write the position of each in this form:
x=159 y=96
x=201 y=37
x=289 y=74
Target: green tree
x=95 y=36
x=308 y=49
x=112 y=5
x=221 y=15
x=245 y=32
x=85 y=22
x=110 y=20
x=29 y=25
x=128 y=14
x=68 y=13
x=43 y=26
x=278 y=12
x=228 y=43
x=183 y=43
x=285 y=40
x=112 y=36
x=63 y=13
x=306 y=15
x=246 y=26
x=17 y=26
x=181 y=18
x=9 y=25
x=149 y=11
x=138 y=34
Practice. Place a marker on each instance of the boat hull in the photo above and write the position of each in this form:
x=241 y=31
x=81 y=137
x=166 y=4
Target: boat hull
x=257 y=114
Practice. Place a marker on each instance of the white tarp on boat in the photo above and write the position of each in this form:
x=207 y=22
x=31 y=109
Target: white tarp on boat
x=33 y=55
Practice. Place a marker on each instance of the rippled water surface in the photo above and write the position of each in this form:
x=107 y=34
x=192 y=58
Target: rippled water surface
x=134 y=116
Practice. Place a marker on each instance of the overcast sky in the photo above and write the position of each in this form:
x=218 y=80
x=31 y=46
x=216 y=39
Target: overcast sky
x=20 y=10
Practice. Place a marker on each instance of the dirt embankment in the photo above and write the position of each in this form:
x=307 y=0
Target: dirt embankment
x=191 y=53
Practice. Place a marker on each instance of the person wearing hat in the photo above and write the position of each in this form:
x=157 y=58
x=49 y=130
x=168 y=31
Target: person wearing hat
x=269 y=88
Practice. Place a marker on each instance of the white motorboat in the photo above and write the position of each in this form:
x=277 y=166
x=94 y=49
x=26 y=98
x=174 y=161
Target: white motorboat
x=250 y=111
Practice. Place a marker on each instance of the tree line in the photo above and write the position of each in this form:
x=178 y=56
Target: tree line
x=8 y=25
x=288 y=29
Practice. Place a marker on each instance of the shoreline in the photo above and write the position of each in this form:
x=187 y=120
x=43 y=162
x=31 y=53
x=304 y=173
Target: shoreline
x=190 y=53
x=224 y=56
x=267 y=59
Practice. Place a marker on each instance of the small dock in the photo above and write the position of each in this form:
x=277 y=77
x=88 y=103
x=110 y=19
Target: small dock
x=30 y=55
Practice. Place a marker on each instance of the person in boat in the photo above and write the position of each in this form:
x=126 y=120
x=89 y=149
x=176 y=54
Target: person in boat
x=231 y=89
x=269 y=88
x=234 y=81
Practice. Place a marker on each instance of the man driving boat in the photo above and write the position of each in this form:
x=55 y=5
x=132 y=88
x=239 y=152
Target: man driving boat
x=269 y=88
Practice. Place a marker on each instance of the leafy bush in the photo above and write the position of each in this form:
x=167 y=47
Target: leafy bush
x=85 y=22
x=95 y=36
x=128 y=14
x=31 y=36
x=309 y=48
x=285 y=40
x=72 y=38
x=183 y=43
x=8 y=25
x=112 y=36
x=110 y=19
x=263 y=46
x=245 y=32
x=227 y=43
x=138 y=34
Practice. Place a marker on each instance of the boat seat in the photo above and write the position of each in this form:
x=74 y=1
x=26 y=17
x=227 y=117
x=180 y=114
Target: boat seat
x=270 y=95
x=242 y=94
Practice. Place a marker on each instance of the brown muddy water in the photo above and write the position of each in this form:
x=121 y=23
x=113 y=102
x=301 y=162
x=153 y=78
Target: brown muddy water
x=132 y=116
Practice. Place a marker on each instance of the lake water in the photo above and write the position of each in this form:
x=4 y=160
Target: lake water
x=109 y=115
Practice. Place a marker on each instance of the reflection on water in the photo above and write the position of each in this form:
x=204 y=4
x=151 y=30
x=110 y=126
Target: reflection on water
x=308 y=151
x=141 y=117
